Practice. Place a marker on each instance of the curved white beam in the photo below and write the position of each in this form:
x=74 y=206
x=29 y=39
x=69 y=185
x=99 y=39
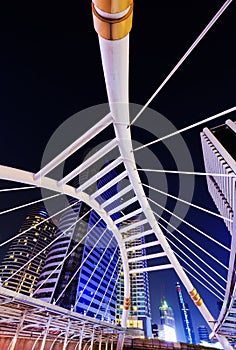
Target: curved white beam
x=21 y=176
x=115 y=65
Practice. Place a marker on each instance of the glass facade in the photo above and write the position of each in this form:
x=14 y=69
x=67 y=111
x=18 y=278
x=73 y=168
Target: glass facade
x=140 y=312
x=203 y=334
x=85 y=280
x=96 y=294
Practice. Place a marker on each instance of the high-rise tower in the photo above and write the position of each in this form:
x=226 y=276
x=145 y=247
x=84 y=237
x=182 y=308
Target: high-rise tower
x=186 y=318
x=140 y=312
x=219 y=152
x=203 y=334
x=33 y=239
x=166 y=330
x=79 y=273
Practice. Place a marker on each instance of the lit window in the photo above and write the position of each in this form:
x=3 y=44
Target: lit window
x=35 y=240
x=6 y=284
x=15 y=260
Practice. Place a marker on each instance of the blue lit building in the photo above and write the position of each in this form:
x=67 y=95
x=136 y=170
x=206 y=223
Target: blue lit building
x=203 y=334
x=84 y=281
x=186 y=317
x=96 y=294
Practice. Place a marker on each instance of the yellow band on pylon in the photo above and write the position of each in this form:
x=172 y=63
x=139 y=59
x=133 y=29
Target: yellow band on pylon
x=193 y=292
x=112 y=6
x=196 y=297
x=126 y=303
x=113 y=29
x=199 y=302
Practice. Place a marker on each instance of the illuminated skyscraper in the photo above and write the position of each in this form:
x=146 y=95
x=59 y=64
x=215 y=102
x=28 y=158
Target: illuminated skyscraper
x=24 y=248
x=166 y=330
x=57 y=270
x=140 y=312
x=186 y=318
x=83 y=281
x=96 y=292
x=203 y=334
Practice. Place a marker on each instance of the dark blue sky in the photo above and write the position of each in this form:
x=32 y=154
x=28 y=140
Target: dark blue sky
x=50 y=68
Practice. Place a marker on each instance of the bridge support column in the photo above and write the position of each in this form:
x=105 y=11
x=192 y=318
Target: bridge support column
x=100 y=342
x=14 y=339
x=92 y=339
x=66 y=336
x=36 y=341
x=45 y=334
x=81 y=338
x=120 y=341
x=112 y=343
x=106 y=346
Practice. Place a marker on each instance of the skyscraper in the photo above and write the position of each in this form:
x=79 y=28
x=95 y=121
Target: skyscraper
x=203 y=334
x=18 y=272
x=81 y=268
x=166 y=330
x=219 y=152
x=140 y=312
x=186 y=318
x=57 y=270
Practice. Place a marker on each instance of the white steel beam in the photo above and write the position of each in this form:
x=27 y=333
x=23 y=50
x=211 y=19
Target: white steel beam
x=109 y=184
x=128 y=216
x=96 y=129
x=147 y=257
x=123 y=205
x=143 y=246
x=100 y=174
x=152 y=268
x=138 y=235
x=116 y=196
x=90 y=161
x=21 y=176
x=115 y=65
x=134 y=225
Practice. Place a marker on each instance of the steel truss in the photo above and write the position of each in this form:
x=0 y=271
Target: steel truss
x=25 y=317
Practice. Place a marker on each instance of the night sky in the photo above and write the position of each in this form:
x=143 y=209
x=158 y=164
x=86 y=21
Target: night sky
x=50 y=68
